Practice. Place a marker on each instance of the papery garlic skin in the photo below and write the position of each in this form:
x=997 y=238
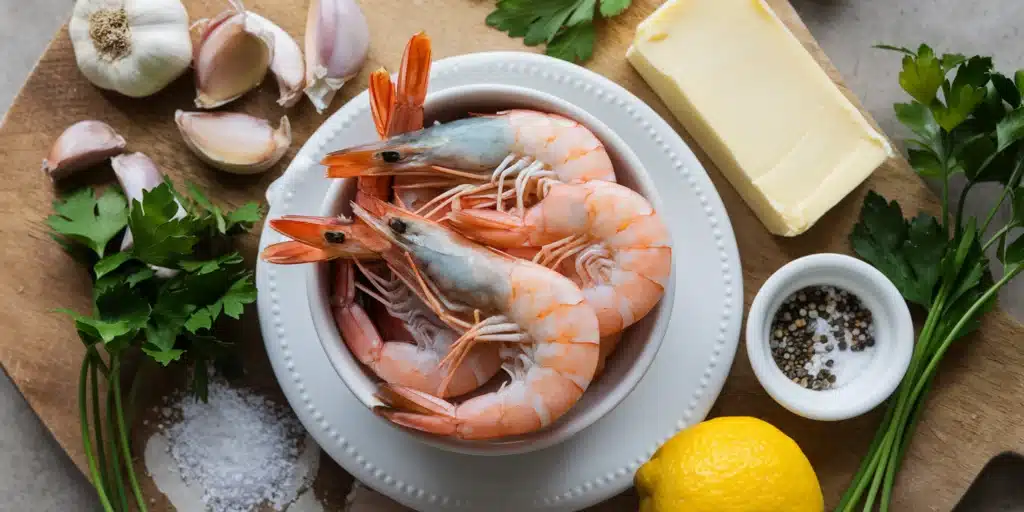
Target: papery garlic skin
x=82 y=145
x=287 y=65
x=133 y=47
x=136 y=174
x=233 y=142
x=232 y=57
x=337 y=42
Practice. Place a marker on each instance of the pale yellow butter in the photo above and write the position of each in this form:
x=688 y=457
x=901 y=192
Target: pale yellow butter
x=759 y=105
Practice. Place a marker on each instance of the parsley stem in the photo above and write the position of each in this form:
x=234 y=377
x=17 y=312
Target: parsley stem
x=90 y=457
x=860 y=485
x=115 y=457
x=129 y=467
x=945 y=182
x=851 y=494
x=952 y=334
x=998 y=234
x=97 y=419
x=881 y=448
x=960 y=206
x=901 y=449
x=1011 y=184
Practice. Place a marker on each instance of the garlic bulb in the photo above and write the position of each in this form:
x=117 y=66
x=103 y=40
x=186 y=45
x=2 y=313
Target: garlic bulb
x=287 y=65
x=133 y=47
x=337 y=41
x=231 y=58
x=82 y=145
x=233 y=142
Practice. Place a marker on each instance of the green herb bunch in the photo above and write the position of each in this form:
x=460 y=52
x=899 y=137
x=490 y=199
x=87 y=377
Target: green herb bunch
x=160 y=298
x=565 y=26
x=967 y=119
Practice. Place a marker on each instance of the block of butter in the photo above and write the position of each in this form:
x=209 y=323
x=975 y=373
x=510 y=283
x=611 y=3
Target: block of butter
x=760 y=105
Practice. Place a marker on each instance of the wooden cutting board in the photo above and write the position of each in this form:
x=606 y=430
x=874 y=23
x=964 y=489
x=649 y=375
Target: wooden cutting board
x=975 y=409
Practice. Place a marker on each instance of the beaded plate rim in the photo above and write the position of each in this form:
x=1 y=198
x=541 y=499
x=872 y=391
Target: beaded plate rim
x=546 y=74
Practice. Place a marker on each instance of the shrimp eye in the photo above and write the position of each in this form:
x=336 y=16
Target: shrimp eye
x=391 y=156
x=397 y=225
x=334 y=237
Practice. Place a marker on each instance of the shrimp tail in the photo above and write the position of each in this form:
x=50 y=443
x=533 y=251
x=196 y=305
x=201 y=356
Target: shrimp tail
x=293 y=253
x=501 y=230
x=417 y=410
x=413 y=77
x=382 y=96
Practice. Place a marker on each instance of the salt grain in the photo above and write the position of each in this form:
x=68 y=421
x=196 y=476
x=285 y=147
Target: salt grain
x=240 y=449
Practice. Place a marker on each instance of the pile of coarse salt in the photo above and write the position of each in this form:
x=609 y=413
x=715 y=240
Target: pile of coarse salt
x=239 y=448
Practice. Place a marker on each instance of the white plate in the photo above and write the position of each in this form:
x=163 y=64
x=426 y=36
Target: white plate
x=677 y=391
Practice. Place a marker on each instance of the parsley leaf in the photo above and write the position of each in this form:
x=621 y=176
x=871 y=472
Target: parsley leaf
x=1006 y=88
x=161 y=236
x=206 y=267
x=565 y=26
x=88 y=220
x=111 y=263
x=919 y=119
x=1010 y=129
x=908 y=253
x=611 y=8
x=922 y=75
x=243 y=218
x=576 y=44
x=242 y=292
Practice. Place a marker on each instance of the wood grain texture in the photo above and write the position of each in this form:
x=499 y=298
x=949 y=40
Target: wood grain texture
x=974 y=412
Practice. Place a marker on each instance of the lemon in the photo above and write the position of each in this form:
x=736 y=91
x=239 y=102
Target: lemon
x=732 y=464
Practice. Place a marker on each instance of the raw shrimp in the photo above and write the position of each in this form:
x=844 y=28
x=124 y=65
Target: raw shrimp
x=525 y=305
x=415 y=365
x=484 y=148
x=622 y=250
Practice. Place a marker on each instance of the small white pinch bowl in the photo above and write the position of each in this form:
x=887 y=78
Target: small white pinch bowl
x=894 y=335
x=624 y=368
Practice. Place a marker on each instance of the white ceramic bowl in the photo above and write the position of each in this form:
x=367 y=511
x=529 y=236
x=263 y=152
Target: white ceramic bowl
x=624 y=368
x=894 y=336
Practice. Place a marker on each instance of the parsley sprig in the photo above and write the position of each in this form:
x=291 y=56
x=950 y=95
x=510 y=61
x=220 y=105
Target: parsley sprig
x=967 y=119
x=161 y=297
x=565 y=26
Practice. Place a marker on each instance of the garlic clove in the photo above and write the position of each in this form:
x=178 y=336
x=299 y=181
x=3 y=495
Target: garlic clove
x=233 y=142
x=82 y=145
x=287 y=65
x=136 y=173
x=233 y=56
x=337 y=42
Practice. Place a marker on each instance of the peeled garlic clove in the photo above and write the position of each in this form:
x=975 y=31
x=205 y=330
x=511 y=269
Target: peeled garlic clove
x=83 y=144
x=337 y=41
x=233 y=142
x=233 y=56
x=136 y=174
x=287 y=65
